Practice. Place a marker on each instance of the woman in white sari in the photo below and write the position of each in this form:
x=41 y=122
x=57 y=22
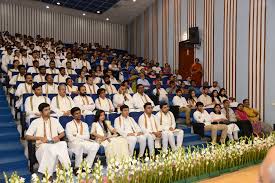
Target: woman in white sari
x=115 y=146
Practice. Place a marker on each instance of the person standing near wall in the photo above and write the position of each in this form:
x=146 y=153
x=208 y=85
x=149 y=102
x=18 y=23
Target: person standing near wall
x=197 y=72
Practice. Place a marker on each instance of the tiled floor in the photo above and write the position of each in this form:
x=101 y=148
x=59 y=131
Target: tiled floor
x=247 y=175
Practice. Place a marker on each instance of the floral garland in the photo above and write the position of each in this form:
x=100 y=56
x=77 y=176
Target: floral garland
x=182 y=164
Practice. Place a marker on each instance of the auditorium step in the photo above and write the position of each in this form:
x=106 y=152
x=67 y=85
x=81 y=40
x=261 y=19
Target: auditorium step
x=12 y=156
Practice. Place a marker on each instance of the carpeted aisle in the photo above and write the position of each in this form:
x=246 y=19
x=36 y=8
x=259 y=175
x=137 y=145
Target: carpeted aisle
x=12 y=156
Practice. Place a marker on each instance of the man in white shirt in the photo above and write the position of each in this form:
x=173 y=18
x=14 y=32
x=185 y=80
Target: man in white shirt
x=69 y=69
x=157 y=68
x=102 y=102
x=168 y=126
x=111 y=77
x=96 y=80
x=180 y=101
x=82 y=62
x=61 y=77
x=49 y=87
x=84 y=102
x=79 y=141
x=52 y=59
x=68 y=59
x=22 y=89
x=160 y=93
x=52 y=69
x=62 y=104
x=205 y=98
x=123 y=98
x=41 y=76
x=110 y=89
x=202 y=116
x=35 y=68
x=140 y=98
x=91 y=88
x=7 y=59
x=47 y=132
x=150 y=127
x=19 y=77
x=32 y=103
x=215 y=86
x=129 y=129
x=142 y=80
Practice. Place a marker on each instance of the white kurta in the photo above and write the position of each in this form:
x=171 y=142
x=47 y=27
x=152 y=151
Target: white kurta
x=104 y=104
x=31 y=106
x=110 y=89
x=117 y=147
x=70 y=89
x=202 y=117
x=167 y=121
x=60 y=79
x=52 y=71
x=86 y=104
x=205 y=99
x=47 y=154
x=59 y=104
x=13 y=80
x=82 y=63
x=127 y=125
x=50 y=89
x=162 y=94
x=39 y=78
x=149 y=125
x=120 y=99
x=91 y=89
x=70 y=71
x=139 y=101
x=22 y=88
x=79 y=143
x=33 y=70
x=179 y=101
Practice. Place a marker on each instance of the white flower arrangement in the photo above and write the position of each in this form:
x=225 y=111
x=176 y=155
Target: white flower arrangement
x=169 y=167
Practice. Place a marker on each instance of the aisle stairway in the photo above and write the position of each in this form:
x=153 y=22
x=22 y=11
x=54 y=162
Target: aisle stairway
x=12 y=156
x=191 y=139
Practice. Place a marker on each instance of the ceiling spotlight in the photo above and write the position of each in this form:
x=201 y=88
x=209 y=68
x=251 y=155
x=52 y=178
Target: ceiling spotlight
x=47 y=7
x=98 y=12
x=58 y=3
x=107 y=19
x=83 y=14
x=134 y=0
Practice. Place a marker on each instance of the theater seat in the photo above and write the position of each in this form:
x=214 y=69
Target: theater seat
x=89 y=119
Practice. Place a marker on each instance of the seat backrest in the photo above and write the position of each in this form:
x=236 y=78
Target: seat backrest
x=136 y=115
x=89 y=119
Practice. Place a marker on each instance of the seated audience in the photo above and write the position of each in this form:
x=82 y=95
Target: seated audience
x=192 y=100
x=140 y=98
x=168 y=127
x=219 y=118
x=180 y=101
x=128 y=88
x=49 y=87
x=61 y=77
x=142 y=80
x=201 y=116
x=123 y=98
x=96 y=80
x=129 y=129
x=109 y=88
x=172 y=88
x=205 y=98
x=215 y=86
x=32 y=103
x=19 y=77
x=160 y=93
x=62 y=104
x=70 y=88
x=194 y=87
x=14 y=68
x=222 y=95
x=150 y=127
x=41 y=76
x=111 y=77
x=82 y=62
x=84 y=102
x=115 y=146
x=215 y=97
x=69 y=69
x=91 y=88
x=79 y=142
x=35 y=68
x=82 y=77
x=244 y=125
x=52 y=69
x=47 y=132
x=103 y=103
x=23 y=88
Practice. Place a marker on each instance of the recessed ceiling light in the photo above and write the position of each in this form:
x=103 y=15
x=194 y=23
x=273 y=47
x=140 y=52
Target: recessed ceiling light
x=107 y=19
x=83 y=14
x=58 y=3
x=134 y=0
x=47 y=7
x=98 y=12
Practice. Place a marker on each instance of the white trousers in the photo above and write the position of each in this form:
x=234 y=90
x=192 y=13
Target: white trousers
x=169 y=136
x=151 y=143
x=81 y=147
x=48 y=156
x=132 y=140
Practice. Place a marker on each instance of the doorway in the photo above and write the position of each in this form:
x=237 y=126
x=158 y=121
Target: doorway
x=186 y=59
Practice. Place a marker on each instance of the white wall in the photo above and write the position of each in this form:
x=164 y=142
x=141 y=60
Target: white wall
x=18 y=18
